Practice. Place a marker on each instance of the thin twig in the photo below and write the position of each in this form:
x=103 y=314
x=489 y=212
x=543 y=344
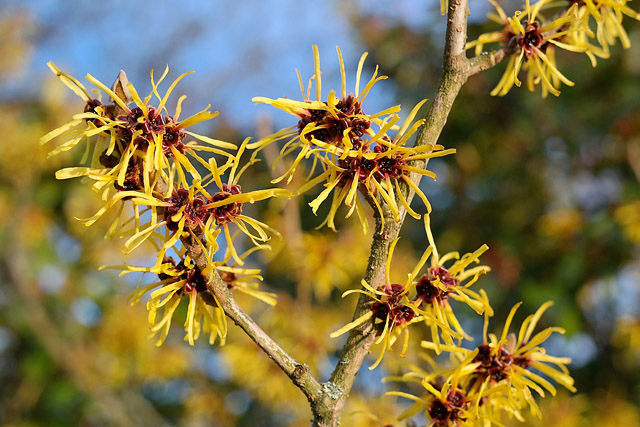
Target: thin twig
x=487 y=60
x=299 y=373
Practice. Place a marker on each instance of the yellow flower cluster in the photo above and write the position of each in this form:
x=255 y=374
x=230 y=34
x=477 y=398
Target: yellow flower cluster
x=354 y=151
x=185 y=279
x=143 y=155
x=534 y=39
x=424 y=298
x=491 y=380
x=484 y=385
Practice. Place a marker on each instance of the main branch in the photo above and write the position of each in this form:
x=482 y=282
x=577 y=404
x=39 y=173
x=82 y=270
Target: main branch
x=328 y=410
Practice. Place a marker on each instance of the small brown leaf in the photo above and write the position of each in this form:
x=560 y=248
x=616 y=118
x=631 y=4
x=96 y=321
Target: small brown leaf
x=120 y=89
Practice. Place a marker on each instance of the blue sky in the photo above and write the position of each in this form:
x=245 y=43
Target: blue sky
x=237 y=49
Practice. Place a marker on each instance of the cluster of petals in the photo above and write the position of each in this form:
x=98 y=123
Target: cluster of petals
x=144 y=165
x=134 y=146
x=351 y=152
x=183 y=279
x=493 y=380
x=423 y=298
x=534 y=39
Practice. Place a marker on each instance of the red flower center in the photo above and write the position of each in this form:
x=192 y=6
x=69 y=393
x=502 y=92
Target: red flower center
x=195 y=281
x=225 y=213
x=393 y=308
x=496 y=364
x=448 y=412
x=532 y=38
x=145 y=127
x=429 y=293
x=332 y=128
x=132 y=178
x=195 y=212
x=173 y=137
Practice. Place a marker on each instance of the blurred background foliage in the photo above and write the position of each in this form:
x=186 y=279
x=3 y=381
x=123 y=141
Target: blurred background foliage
x=551 y=185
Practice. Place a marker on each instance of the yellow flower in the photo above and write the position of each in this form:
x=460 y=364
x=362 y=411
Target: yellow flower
x=225 y=206
x=184 y=214
x=536 y=41
x=425 y=299
x=393 y=163
x=448 y=403
x=178 y=280
x=143 y=135
x=197 y=213
x=505 y=363
x=376 y=168
x=440 y=283
x=185 y=279
x=135 y=148
x=330 y=126
x=353 y=149
x=391 y=309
